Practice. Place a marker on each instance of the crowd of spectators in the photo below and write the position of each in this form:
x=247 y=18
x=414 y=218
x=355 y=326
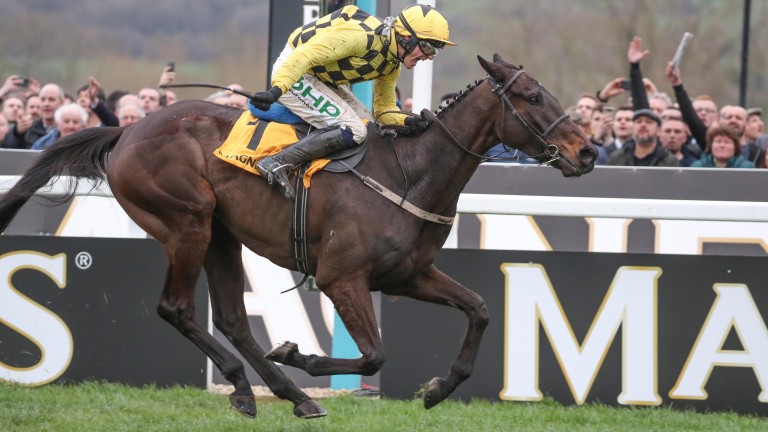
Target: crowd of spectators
x=34 y=116
x=653 y=130
x=650 y=129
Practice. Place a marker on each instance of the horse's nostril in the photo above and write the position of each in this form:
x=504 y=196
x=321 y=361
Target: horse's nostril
x=588 y=155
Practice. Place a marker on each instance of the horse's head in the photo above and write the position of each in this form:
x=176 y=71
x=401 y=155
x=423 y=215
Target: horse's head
x=533 y=121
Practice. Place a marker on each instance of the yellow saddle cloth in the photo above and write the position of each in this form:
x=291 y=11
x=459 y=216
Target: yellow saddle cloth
x=252 y=139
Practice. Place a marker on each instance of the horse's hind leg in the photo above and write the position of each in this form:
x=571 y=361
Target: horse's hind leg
x=177 y=307
x=174 y=204
x=185 y=238
x=435 y=287
x=224 y=268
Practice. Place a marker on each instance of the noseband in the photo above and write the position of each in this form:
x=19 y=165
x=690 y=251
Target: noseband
x=549 y=151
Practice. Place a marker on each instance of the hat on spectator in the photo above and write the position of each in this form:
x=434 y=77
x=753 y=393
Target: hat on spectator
x=755 y=111
x=645 y=112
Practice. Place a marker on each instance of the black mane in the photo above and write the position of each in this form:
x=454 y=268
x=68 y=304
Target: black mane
x=441 y=109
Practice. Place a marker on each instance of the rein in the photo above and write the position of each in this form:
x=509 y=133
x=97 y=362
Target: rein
x=549 y=151
x=398 y=200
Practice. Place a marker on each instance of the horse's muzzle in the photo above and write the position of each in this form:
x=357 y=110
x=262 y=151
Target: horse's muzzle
x=578 y=164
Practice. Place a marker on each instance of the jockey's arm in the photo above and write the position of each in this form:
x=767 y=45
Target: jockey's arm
x=320 y=50
x=384 y=99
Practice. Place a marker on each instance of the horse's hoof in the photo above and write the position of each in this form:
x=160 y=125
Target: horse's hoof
x=283 y=352
x=245 y=405
x=309 y=409
x=433 y=395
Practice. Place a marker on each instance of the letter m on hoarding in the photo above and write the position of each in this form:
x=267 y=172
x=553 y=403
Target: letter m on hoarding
x=630 y=303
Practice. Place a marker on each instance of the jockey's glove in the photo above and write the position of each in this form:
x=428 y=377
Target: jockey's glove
x=263 y=100
x=416 y=125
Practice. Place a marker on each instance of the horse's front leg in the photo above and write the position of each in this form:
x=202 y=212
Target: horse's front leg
x=433 y=286
x=355 y=308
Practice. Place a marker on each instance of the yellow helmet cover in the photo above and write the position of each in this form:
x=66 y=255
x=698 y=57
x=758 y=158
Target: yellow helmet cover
x=425 y=21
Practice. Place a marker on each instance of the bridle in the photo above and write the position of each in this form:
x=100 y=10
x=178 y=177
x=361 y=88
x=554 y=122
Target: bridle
x=549 y=151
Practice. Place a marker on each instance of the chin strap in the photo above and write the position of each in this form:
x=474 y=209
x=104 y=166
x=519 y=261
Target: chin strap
x=407 y=44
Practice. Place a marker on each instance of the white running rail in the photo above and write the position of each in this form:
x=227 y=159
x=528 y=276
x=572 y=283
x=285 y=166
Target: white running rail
x=739 y=211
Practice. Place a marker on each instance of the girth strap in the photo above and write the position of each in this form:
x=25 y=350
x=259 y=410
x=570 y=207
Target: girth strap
x=300 y=228
x=300 y=222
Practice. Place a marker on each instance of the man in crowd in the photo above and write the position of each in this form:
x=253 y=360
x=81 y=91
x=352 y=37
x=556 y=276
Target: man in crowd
x=706 y=109
x=27 y=130
x=753 y=128
x=674 y=136
x=584 y=106
x=13 y=108
x=33 y=107
x=622 y=129
x=150 y=99
x=644 y=149
x=69 y=118
x=130 y=113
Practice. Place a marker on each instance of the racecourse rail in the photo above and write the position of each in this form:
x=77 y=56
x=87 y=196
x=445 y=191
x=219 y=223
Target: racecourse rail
x=523 y=204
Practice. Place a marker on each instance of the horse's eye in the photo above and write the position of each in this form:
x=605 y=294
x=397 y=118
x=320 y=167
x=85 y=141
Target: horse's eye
x=535 y=99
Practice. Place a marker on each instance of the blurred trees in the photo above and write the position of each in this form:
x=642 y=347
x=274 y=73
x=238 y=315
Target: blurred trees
x=572 y=46
x=576 y=46
x=126 y=44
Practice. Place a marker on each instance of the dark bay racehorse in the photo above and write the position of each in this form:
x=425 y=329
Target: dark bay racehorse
x=202 y=210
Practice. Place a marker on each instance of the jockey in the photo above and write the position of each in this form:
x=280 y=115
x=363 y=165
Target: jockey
x=311 y=77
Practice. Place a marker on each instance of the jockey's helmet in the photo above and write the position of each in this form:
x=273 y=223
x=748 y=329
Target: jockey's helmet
x=424 y=24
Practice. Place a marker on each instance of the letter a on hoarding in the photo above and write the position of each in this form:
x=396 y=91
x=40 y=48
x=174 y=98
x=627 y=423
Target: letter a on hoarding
x=734 y=308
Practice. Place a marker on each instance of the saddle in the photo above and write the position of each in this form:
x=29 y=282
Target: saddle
x=279 y=113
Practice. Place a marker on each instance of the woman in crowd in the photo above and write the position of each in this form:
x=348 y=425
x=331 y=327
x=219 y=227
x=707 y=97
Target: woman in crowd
x=723 y=150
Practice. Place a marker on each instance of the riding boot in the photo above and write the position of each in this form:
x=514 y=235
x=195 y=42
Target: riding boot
x=275 y=168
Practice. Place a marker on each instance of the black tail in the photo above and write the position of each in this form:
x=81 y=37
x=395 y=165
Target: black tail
x=81 y=155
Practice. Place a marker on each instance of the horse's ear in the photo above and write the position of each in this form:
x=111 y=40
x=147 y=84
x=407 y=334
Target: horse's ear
x=498 y=60
x=494 y=71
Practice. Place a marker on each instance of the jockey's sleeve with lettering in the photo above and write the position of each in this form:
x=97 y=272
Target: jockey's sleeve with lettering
x=346 y=47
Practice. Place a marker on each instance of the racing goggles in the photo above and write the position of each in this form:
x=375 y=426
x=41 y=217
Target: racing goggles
x=430 y=47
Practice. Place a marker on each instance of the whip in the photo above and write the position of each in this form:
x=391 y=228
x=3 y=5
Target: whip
x=206 y=85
